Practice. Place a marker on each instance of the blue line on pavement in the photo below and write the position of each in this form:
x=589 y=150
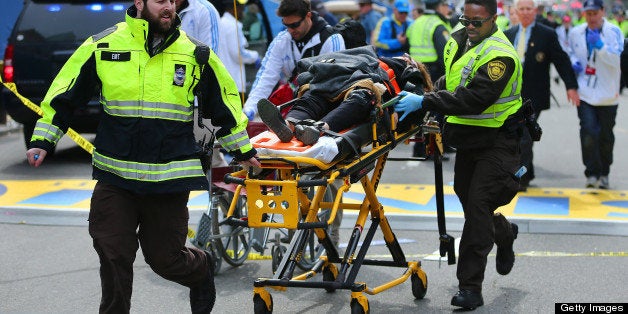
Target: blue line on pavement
x=618 y=215
x=199 y=200
x=65 y=197
x=545 y=205
x=451 y=203
x=623 y=204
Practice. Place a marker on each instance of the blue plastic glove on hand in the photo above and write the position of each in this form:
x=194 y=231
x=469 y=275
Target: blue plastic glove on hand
x=577 y=67
x=258 y=63
x=409 y=102
x=593 y=39
x=250 y=113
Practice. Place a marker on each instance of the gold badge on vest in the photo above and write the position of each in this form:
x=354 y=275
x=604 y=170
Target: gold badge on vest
x=496 y=70
x=540 y=56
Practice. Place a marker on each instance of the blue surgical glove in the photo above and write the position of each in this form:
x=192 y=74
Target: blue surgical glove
x=593 y=39
x=577 y=67
x=250 y=113
x=409 y=102
x=258 y=63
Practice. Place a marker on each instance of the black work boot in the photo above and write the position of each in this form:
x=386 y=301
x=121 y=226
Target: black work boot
x=505 y=254
x=467 y=299
x=203 y=296
x=271 y=116
x=308 y=134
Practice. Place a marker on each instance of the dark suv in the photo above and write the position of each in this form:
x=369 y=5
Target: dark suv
x=43 y=38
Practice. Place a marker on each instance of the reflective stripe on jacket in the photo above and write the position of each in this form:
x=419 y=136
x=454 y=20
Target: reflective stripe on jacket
x=145 y=135
x=462 y=71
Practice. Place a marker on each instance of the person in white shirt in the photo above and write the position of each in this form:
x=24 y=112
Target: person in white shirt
x=305 y=36
x=595 y=48
x=200 y=19
x=233 y=52
x=562 y=32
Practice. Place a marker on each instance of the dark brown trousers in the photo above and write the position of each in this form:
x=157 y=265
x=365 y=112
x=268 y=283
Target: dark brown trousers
x=484 y=180
x=119 y=218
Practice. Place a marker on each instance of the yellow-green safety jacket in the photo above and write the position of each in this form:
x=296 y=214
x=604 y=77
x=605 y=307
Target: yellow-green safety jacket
x=420 y=36
x=145 y=140
x=461 y=72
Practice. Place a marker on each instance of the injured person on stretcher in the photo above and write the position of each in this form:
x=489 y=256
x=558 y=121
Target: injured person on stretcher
x=340 y=90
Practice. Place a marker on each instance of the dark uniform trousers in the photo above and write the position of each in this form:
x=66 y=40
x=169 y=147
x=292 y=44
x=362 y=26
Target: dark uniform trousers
x=484 y=180
x=118 y=218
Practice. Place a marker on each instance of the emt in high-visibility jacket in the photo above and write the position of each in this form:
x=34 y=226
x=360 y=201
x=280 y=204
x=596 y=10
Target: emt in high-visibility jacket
x=480 y=94
x=145 y=160
x=428 y=35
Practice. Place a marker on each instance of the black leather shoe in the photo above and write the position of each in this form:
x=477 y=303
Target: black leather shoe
x=271 y=116
x=505 y=254
x=203 y=296
x=307 y=134
x=467 y=299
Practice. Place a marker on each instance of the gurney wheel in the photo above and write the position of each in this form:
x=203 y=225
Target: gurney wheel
x=234 y=242
x=419 y=288
x=260 y=306
x=277 y=253
x=330 y=272
x=359 y=305
x=313 y=250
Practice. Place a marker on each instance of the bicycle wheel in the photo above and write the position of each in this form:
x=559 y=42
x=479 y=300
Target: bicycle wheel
x=204 y=241
x=234 y=242
x=313 y=250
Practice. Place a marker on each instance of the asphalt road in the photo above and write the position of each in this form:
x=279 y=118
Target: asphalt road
x=53 y=269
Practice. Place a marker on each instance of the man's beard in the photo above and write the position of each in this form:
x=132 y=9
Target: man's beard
x=154 y=22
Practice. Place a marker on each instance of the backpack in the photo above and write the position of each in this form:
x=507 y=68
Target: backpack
x=352 y=31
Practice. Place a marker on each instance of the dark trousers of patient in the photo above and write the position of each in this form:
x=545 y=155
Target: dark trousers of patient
x=484 y=180
x=340 y=115
x=118 y=219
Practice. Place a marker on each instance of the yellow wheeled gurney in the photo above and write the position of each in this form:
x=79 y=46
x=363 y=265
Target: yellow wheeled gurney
x=288 y=194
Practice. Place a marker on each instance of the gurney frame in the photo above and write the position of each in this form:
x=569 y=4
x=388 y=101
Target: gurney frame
x=287 y=196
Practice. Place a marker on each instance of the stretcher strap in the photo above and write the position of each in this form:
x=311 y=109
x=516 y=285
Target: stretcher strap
x=356 y=148
x=391 y=78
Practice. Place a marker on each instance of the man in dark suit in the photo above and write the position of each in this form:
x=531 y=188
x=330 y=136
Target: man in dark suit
x=538 y=46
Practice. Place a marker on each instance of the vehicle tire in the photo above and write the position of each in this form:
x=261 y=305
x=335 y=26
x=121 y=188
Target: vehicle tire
x=233 y=242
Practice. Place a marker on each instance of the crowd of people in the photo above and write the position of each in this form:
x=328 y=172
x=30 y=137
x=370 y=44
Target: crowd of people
x=483 y=74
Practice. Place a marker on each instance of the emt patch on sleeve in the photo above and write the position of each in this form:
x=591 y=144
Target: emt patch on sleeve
x=496 y=70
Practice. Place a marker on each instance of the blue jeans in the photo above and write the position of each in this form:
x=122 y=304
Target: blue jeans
x=597 y=138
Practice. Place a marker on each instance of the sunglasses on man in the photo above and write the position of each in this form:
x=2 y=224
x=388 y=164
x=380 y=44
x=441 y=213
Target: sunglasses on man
x=476 y=23
x=294 y=25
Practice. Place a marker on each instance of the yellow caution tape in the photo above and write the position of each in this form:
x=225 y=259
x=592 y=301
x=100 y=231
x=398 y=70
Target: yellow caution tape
x=191 y=233
x=77 y=138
